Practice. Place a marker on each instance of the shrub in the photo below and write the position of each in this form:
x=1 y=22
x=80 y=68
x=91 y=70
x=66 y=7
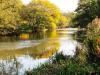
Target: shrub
x=92 y=40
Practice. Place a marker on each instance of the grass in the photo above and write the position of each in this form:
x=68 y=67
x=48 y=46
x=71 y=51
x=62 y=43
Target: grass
x=68 y=66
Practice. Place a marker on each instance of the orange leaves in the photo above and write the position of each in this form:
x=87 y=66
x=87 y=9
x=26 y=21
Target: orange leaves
x=98 y=46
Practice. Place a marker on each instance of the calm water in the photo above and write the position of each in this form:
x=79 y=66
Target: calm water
x=36 y=50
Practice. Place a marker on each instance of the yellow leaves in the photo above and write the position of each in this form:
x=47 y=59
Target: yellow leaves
x=53 y=25
x=24 y=22
x=50 y=19
x=63 y=21
x=41 y=13
x=9 y=12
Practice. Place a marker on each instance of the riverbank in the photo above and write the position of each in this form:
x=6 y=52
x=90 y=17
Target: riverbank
x=86 y=60
x=66 y=65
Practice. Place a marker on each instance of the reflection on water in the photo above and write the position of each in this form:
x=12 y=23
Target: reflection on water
x=38 y=48
x=67 y=45
x=16 y=45
x=30 y=63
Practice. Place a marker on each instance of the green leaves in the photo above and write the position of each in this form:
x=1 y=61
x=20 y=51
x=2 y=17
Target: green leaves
x=86 y=12
x=41 y=14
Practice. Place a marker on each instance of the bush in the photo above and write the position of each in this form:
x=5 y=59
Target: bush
x=92 y=42
x=67 y=66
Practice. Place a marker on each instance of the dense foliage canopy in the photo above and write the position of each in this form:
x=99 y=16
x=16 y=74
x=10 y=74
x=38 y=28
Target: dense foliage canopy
x=40 y=14
x=9 y=14
x=87 y=11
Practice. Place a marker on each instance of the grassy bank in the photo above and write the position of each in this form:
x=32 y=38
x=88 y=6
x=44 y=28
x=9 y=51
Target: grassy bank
x=65 y=65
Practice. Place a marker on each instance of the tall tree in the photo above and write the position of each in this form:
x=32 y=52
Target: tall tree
x=40 y=14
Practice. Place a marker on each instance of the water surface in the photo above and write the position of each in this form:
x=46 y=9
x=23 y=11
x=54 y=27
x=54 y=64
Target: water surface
x=37 y=49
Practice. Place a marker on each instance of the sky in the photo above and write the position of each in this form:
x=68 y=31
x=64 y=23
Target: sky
x=64 y=5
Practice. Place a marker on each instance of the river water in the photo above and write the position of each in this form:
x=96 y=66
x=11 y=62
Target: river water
x=31 y=53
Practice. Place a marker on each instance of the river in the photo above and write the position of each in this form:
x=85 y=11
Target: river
x=36 y=50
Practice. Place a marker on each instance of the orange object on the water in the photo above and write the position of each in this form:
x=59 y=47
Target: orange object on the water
x=24 y=36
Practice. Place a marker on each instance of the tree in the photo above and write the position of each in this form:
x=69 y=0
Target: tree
x=86 y=12
x=70 y=16
x=62 y=22
x=9 y=15
x=92 y=40
x=40 y=15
